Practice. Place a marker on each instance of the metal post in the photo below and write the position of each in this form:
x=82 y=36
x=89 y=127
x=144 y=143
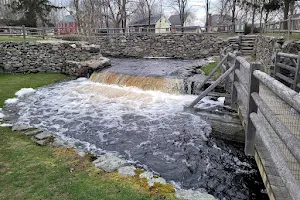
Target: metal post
x=24 y=32
x=252 y=107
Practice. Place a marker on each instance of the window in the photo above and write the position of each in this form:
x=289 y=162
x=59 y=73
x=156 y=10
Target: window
x=167 y=29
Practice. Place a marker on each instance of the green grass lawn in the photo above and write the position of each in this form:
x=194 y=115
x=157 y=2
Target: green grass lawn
x=28 y=171
x=209 y=67
x=18 y=39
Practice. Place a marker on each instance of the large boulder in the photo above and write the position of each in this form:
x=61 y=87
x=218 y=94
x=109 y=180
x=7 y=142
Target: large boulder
x=85 y=68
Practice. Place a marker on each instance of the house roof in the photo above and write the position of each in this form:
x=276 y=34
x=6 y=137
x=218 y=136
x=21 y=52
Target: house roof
x=218 y=19
x=145 y=21
x=68 y=18
x=174 y=20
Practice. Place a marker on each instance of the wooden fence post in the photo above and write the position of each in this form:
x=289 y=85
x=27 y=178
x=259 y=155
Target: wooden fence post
x=233 y=88
x=239 y=43
x=24 y=32
x=252 y=107
x=10 y=32
x=297 y=73
x=276 y=68
x=44 y=32
x=289 y=28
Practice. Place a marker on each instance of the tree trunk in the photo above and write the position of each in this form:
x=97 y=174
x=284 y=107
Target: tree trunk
x=76 y=4
x=260 y=20
x=233 y=16
x=253 y=17
x=286 y=13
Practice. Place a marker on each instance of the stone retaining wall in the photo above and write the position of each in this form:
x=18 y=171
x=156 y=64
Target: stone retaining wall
x=29 y=57
x=267 y=46
x=190 y=46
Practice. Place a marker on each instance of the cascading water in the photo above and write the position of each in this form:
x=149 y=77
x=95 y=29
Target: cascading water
x=163 y=84
x=149 y=128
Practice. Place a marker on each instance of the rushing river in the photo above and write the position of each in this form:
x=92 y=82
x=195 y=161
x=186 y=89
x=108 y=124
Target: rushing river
x=148 y=128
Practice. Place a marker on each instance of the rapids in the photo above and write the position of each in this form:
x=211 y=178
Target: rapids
x=149 y=128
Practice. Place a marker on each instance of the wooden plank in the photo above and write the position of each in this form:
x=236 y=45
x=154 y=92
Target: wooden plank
x=212 y=86
x=287 y=67
x=251 y=107
x=288 y=95
x=233 y=88
x=297 y=75
x=241 y=93
x=287 y=55
x=286 y=136
x=241 y=78
x=282 y=167
x=243 y=62
x=285 y=78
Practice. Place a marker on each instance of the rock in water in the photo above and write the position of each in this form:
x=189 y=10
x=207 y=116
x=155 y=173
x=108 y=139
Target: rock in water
x=127 y=171
x=109 y=163
x=193 y=195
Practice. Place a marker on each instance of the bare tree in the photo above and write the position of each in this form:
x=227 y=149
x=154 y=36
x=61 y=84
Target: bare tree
x=181 y=7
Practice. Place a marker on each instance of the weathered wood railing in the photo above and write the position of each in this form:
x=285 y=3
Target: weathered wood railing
x=287 y=69
x=270 y=112
x=265 y=107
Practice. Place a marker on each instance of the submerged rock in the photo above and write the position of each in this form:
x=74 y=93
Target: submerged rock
x=43 y=135
x=109 y=163
x=20 y=127
x=127 y=171
x=151 y=179
x=193 y=195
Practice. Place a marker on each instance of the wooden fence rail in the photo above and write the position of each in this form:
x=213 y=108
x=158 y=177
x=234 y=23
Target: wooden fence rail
x=265 y=107
x=287 y=69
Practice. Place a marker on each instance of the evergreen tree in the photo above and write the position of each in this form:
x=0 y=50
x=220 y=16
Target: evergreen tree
x=33 y=10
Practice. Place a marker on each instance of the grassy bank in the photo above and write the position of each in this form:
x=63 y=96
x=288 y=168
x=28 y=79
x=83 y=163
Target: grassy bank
x=28 y=171
x=209 y=67
x=18 y=39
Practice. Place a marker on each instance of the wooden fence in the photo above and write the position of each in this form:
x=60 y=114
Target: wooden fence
x=287 y=67
x=270 y=114
x=88 y=31
x=266 y=108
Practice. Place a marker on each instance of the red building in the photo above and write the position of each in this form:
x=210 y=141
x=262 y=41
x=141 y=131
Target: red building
x=67 y=26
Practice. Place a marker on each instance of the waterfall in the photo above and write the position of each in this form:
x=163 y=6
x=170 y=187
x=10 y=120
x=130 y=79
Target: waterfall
x=163 y=84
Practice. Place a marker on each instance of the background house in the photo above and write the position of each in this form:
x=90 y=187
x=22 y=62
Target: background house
x=67 y=25
x=158 y=24
x=175 y=23
x=219 y=23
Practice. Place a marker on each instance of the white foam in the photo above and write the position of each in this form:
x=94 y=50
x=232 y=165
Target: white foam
x=81 y=79
x=24 y=91
x=2 y=115
x=221 y=99
x=11 y=101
